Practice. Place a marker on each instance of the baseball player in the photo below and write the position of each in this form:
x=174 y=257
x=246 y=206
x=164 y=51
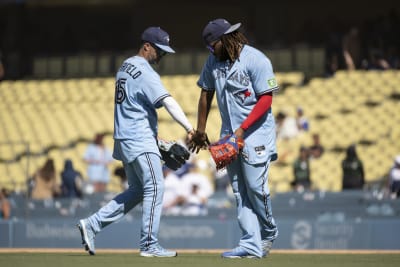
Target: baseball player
x=138 y=93
x=243 y=81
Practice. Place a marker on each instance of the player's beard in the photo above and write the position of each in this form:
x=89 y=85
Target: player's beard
x=155 y=60
x=223 y=55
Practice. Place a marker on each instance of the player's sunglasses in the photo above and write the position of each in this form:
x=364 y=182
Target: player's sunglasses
x=211 y=47
x=160 y=52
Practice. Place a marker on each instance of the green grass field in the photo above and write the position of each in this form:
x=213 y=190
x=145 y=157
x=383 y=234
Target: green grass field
x=39 y=259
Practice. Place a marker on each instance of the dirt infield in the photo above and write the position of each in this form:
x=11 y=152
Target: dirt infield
x=203 y=251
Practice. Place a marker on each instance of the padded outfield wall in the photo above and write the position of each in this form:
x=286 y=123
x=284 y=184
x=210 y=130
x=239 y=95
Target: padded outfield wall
x=309 y=220
x=206 y=233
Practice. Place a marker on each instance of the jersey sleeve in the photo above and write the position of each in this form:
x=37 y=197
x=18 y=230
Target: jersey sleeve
x=206 y=80
x=154 y=89
x=262 y=76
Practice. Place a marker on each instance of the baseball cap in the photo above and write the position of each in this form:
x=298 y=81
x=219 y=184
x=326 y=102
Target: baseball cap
x=216 y=28
x=158 y=37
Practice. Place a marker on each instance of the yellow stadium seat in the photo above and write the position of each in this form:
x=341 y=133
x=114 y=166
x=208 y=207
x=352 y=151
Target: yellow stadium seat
x=63 y=111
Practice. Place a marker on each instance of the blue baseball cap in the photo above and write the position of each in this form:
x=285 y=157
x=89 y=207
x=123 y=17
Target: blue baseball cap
x=216 y=28
x=158 y=37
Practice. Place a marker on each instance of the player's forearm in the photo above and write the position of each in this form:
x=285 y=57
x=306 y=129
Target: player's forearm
x=177 y=113
x=262 y=106
x=204 y=109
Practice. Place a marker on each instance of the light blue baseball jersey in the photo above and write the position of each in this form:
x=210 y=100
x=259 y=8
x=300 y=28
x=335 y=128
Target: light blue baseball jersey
x=237 y=88
x=138 y=93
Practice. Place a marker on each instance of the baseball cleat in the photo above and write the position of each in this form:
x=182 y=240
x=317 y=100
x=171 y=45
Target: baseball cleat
x=158 y=251
x=266 y=247
x=237 y=252
x=87 y=236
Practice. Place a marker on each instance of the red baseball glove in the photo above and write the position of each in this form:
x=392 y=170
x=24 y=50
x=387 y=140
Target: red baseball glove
x=226 y=150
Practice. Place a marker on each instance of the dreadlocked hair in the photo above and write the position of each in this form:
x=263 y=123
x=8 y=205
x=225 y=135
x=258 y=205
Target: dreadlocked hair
x=233 y=42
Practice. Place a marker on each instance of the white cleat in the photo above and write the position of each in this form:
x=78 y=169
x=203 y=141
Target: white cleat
x=87 y=235
x=158 y=251
x=266 y=247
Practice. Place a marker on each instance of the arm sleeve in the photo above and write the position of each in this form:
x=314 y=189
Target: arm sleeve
x=176 y=112
x=262 y=106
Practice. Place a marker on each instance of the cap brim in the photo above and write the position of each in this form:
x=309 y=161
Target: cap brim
x=165 y=48
x=233 y=28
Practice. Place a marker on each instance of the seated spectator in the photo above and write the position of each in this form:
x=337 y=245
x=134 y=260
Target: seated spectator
x=5 y=206
x=286 y=126
x=394 y=178
x=376 y=61
x=194 y=203
x=301 y=171
x=44 y=184
x=316 y=149
x=302 y=121
x=221 y=180
x=197 y=190
x=71 y=181
x=173 y=196
x=353 y=170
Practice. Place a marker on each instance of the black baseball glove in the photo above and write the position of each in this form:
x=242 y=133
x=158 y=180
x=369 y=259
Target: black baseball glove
x=173 y=154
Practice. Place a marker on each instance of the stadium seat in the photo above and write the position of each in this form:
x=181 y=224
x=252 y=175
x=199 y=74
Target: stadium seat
x=60 y=116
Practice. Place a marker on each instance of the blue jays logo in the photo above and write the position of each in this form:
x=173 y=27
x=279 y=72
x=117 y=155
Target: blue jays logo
x=242 y=95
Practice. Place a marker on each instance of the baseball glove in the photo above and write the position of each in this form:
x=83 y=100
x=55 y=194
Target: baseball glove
x=199 y=141
x=173 y=154
x=226 y=150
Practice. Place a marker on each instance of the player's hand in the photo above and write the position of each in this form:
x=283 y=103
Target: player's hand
x=190 y=135
x=198 y=140
x=239 y=133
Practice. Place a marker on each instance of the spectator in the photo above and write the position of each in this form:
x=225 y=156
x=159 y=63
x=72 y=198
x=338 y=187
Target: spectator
x=334 y=54
x=316 y=149
x=376 y=61
x=71 y=181
x=5 y=206
x=44 y=182
x=352 y=48
x=286 y=126
x=353 y=170
x=173 y=196
x=197 y=189
x=98 y=157
x=302 y=121
x=393 y=56
x=301 y=171
x=221 y=180
x=194 y=203
x=394 y=178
